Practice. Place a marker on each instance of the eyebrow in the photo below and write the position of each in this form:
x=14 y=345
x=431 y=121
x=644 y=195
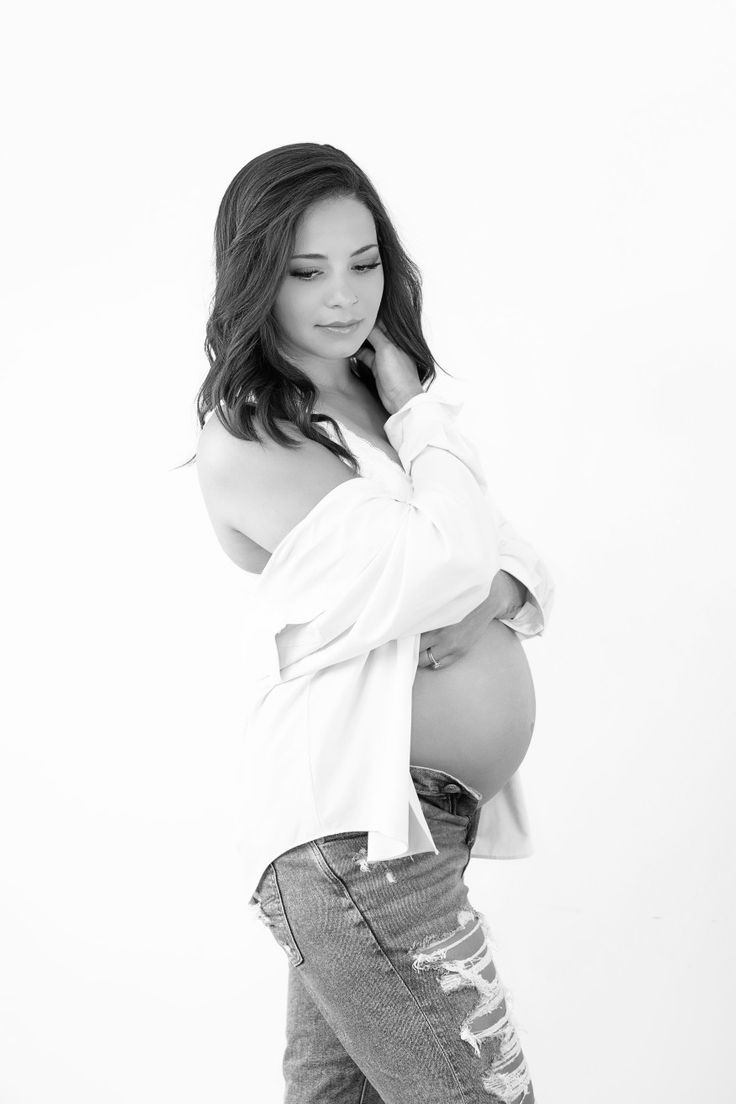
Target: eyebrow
x=321 y=256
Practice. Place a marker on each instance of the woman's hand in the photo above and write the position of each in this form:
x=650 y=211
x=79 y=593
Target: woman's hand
x=452 y=642
x=395 y=373
x=506 y=597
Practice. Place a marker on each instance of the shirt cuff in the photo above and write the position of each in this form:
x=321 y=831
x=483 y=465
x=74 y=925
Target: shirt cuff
x=529 y=621
x=428 y=419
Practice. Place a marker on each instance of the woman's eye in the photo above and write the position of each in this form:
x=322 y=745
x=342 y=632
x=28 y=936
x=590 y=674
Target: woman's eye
x=308 y=273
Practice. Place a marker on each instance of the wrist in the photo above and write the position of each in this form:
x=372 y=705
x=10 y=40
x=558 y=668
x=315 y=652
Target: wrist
x=506 y=598
x=394 y=402
x=517 y=595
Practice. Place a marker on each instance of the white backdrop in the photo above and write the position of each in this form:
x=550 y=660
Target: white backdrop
x=563 y=175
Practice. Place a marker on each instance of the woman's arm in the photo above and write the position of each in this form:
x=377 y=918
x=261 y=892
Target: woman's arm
x=366 y=565
x=520 y=560
x=507 y=596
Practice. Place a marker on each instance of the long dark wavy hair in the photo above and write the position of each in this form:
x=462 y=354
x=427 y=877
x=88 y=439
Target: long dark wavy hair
x=250 y=382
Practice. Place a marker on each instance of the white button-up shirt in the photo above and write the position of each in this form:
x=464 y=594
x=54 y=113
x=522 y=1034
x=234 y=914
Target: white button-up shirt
x=333 y=643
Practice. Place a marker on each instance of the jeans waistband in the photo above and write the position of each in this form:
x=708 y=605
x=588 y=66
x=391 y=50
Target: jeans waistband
x=431 y=780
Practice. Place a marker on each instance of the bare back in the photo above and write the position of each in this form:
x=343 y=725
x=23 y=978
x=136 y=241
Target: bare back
x=255 y=492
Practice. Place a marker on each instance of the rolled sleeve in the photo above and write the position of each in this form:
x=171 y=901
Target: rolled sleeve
x=520 y=559
x=529 y=621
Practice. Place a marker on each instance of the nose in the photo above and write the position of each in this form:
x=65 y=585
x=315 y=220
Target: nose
x=341 y=295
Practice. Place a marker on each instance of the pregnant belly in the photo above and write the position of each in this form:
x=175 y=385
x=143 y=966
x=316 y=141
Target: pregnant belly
x=475 y=717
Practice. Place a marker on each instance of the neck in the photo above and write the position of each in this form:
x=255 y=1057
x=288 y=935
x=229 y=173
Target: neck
x=345 y=383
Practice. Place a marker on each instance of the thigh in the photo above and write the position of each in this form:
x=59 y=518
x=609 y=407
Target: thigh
x=317 y=1068
x=398 y=962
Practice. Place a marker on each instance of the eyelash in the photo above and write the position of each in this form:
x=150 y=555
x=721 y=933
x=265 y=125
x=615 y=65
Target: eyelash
x=312 y=271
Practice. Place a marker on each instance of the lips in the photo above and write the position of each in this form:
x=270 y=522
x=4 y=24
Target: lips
x=339 y=325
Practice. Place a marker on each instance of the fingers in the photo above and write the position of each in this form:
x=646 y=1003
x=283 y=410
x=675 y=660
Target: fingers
x=425 y=660
x=366 y=356
x=378 y=335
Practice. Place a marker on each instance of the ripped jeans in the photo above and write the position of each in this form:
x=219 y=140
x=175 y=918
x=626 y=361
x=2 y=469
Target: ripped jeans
x=393 y=996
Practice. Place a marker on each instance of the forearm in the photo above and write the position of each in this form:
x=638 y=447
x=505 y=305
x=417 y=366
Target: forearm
x=506 y=597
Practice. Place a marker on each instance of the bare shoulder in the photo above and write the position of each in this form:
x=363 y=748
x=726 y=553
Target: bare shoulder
x=222 y=457
x=216 y=442
x=263 y=488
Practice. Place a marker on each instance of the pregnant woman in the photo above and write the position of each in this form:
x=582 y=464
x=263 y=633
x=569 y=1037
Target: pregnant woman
x=390 y=699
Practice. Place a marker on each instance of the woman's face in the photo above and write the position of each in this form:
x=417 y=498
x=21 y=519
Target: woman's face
x=344 y=284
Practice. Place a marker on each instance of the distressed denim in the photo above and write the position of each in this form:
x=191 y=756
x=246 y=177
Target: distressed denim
x=393 y=996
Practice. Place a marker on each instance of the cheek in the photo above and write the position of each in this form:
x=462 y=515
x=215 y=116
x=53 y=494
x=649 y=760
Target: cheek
x=288 y=307
x=378 y=292
x=301 y=304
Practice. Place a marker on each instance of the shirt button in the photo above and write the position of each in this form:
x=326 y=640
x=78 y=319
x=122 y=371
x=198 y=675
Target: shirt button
x=451 y=788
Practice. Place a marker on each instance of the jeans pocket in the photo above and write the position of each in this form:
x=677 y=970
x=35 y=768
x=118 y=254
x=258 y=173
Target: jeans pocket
x=268 y=906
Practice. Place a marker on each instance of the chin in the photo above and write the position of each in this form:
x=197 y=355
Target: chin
x=347 y=348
